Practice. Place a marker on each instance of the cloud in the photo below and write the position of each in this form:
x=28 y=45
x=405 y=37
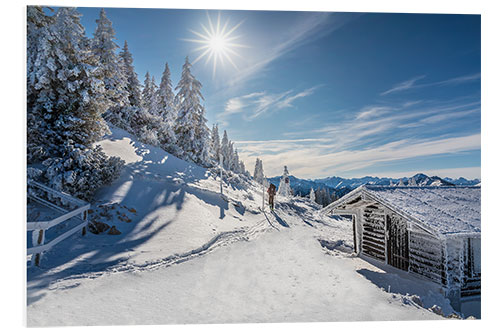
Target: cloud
x=370 y=111
x=287 y=102
x=403 y=85
x=368 y=139
x=410 y=84
x=255 y=104
x=311 y=159
x=460 y=79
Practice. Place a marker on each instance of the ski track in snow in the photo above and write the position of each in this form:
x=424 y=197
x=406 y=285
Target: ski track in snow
x=222 y=239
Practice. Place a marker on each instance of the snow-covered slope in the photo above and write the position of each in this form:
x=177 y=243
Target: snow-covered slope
x=188 y=255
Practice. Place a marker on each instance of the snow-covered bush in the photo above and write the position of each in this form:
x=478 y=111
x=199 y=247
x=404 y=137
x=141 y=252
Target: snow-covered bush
x=33 y=173
x=81 y=171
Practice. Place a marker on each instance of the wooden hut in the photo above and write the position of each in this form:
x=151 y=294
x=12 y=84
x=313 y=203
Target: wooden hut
x=433 y=232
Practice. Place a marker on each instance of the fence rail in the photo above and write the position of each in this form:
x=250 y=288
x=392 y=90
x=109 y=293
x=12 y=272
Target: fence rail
x=39 y=228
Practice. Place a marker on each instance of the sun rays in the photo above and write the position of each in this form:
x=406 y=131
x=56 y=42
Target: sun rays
x=218 y=43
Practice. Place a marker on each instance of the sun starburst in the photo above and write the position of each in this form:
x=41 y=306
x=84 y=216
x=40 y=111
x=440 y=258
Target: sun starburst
x=218 y=43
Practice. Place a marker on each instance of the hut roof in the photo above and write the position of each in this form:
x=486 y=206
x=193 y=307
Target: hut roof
x=454 y=210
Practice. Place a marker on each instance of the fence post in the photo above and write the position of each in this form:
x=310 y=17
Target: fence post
x=221 y=159
x=84 y=218
x=39 y=235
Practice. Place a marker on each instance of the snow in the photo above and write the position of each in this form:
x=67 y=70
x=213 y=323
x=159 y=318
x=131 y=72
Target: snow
x=447 y=210
x=186 y=254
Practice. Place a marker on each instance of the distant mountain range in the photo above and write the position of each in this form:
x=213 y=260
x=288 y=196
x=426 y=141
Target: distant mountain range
x=341 y=186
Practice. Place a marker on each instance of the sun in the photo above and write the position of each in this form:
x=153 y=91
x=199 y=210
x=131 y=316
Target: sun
x=218 y=43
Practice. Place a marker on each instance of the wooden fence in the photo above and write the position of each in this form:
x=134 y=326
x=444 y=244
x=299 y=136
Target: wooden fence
x=78 y=210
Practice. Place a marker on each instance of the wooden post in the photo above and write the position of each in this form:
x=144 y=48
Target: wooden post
x=84 y=218
x=263 y=197
x=38 y=256
x=221 y=159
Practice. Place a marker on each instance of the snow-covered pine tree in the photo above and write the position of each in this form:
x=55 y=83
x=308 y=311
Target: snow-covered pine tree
x=132 y=86
x=202 y=141
x=154 y=102
x=225 y=151
x=231 y=156
x=112 y=68
x=68 y=93
x=236 y=161
x=147 y=92
x=401 y=183
x=166 y=97
x=191 y=130
x=74 y=96
x=258 y=174
x=284 y=188
x=215 y=146
x=167 y=112
x=146 y=124
x=40 y=70
x=312 y=195
x=242 y=168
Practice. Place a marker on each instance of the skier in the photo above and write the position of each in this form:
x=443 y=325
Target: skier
x=272 y=192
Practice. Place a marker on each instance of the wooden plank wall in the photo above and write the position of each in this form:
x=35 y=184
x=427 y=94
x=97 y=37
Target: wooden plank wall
x=373 y=238
x=471 y=285
x=397 y=242
x=426 y=256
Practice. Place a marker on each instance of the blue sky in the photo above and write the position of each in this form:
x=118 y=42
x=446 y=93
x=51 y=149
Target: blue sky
x=329 y=94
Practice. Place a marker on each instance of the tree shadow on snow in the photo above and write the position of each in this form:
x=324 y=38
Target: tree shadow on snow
x=160 y=180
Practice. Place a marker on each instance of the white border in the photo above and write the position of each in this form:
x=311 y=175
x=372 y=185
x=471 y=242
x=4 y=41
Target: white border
x=13 y=153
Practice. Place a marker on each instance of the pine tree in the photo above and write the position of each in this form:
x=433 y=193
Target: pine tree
x=225 y=151
x=191 y=130
x=41 y=71
x=231 y=156
x=258 y=174
x=284 y=188
x=147 y=92
x=66 y=90
x=74 y=97
x=236 y=161
x=104 y=48
x=132 y=86
x=312 y=195
x=154 y=105
x=242 y=168
x=215 y=144
x=166 y=97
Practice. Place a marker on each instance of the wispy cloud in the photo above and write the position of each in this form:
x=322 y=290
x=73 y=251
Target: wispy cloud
x=374 y=135
x=258 y=103
x=459 y=80
x=410 y=84
x=371 y=111
x=403 y=85
x=317 y=159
